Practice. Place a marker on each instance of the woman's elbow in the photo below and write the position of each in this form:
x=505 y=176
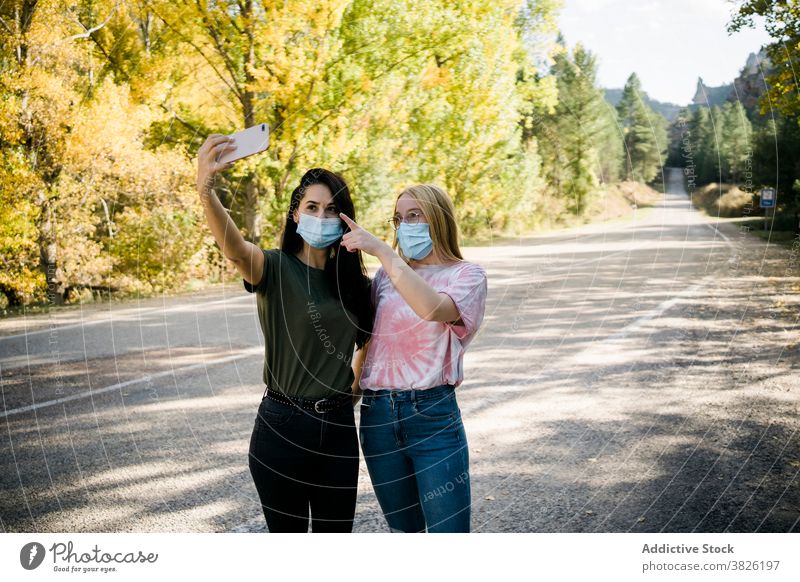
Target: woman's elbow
x=438 y=313
x=428 y=316
x=236 y=255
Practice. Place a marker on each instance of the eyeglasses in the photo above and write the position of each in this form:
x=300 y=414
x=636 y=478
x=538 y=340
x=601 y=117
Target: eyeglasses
x=412 y=217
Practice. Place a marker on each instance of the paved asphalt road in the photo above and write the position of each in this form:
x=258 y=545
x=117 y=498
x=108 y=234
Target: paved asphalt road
x=639 y=376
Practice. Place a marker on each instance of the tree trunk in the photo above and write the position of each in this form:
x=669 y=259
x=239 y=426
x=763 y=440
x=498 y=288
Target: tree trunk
x=252 y=217
x=48 y=255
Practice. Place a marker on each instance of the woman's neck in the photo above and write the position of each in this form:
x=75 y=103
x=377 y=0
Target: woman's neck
x=312 y=257
x=431 y=259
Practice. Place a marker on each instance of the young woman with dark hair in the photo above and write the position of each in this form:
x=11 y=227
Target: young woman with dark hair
x=313 y=307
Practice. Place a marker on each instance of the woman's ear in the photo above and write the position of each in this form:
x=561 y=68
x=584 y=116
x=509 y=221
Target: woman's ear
x=295 y=217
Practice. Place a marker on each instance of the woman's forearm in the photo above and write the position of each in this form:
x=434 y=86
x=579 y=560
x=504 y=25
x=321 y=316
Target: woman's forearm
x=222 y=227
x=358 y=367
x=426 y=302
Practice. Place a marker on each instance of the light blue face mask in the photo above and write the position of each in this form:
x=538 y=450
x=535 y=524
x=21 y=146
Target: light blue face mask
x=319 y=232
x=415 y=240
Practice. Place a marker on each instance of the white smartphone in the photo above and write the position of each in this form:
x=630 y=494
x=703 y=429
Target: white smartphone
x=248 y=142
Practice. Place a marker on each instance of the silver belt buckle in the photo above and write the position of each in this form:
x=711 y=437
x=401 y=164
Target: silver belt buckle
x=316 y=405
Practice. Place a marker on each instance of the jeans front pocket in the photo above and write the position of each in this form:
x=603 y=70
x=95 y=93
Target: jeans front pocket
x=367 y=400
x=272 y=414
x=439 y=407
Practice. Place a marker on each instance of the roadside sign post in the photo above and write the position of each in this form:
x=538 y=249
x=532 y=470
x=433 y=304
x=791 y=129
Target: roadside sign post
x=767 y=201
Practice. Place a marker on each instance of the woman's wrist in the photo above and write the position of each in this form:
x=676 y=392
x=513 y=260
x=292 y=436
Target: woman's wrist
x=205 y=183
x=385 y=253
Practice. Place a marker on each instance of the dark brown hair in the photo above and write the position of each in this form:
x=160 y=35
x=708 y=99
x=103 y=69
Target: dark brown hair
x=344 y=271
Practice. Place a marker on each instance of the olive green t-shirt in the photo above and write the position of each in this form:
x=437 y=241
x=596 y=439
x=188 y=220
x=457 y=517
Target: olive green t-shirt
x=308 y=335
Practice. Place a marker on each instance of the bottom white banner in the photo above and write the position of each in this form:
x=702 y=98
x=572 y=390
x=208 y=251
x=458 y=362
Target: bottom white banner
x=385 y=557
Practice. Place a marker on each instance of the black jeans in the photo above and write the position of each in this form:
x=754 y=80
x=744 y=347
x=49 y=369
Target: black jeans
x=300 y=459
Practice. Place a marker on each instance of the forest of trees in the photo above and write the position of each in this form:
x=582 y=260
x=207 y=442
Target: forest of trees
x=713 y=144
x=753 y=140
x=103 y=104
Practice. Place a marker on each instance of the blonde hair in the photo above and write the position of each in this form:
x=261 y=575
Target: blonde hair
x=441 y=216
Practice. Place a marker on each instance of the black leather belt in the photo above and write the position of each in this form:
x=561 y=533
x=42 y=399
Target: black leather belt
x=321 y=405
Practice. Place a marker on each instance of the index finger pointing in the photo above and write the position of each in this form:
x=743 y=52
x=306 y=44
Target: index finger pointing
x=348 y=221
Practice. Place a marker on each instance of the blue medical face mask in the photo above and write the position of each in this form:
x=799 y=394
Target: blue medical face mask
x=415 y=240
x=319 y=232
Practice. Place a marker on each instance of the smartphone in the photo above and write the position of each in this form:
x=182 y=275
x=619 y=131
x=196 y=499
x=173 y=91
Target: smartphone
x=248 y=142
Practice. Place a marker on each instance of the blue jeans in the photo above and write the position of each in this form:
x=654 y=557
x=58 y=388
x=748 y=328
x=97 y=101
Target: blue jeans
x=416 y=453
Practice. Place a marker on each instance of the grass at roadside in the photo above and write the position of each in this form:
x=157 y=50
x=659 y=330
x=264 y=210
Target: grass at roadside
x=785 y=237
x=726 y=202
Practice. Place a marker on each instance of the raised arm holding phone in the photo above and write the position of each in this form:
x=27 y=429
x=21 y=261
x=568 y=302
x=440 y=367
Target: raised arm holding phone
x=246 y=256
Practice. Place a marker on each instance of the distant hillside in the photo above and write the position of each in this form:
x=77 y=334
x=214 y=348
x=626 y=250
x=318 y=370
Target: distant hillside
x=747 y=88
x=668 y=110
x=750 y=84
x=710 y=96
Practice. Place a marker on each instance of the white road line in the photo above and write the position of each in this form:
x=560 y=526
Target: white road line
x=653 y=313
x=607 y=341
x=719 y=232
x=242 y=354
x=594 y=347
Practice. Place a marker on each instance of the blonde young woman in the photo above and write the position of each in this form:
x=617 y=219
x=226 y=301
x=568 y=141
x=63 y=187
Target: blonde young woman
x=429 y=304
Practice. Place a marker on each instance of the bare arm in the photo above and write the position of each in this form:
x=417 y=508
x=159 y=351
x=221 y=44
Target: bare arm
x=246 y=257
x=358 y=366
x=426 y=302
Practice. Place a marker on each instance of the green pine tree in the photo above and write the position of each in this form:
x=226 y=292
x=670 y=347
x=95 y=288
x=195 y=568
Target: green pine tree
x=645 y=133
x=736 y=145
x=574 y=136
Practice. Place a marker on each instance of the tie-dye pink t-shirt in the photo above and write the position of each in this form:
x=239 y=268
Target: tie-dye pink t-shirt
x=407 y=352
